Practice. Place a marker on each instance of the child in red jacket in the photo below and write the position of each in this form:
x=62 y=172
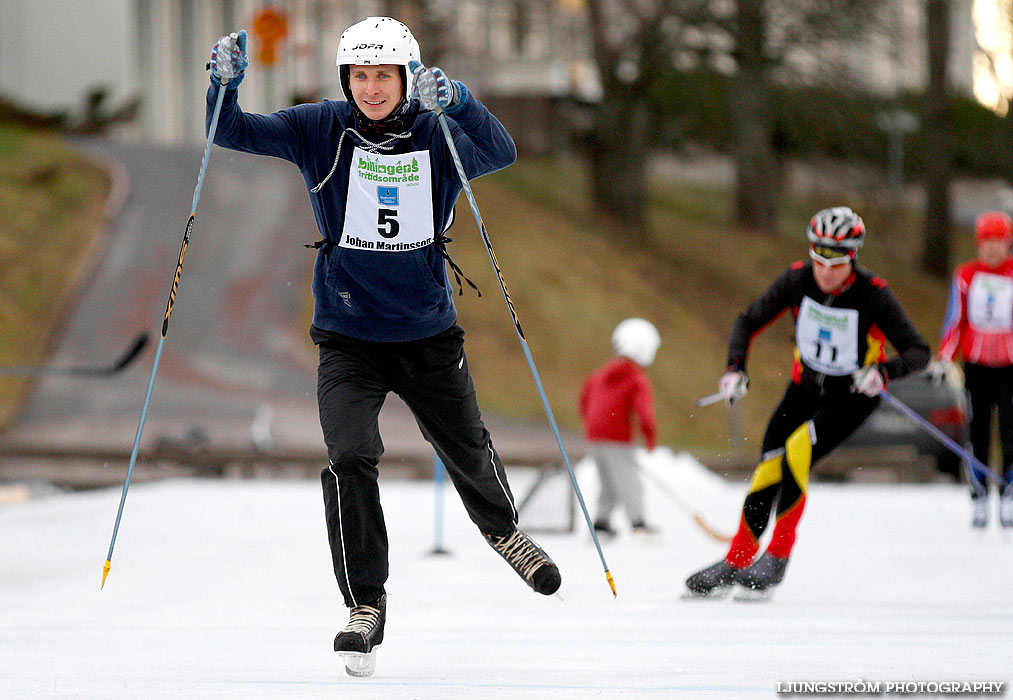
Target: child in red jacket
x=612 y=395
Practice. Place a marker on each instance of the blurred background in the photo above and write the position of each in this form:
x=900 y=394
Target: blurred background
x=671 y=154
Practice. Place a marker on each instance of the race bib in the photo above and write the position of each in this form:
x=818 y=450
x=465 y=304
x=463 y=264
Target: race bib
x=827 y=338
x=990 y=302
x=390 y=202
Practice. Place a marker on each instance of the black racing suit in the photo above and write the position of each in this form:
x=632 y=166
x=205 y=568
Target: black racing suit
x=838 y=332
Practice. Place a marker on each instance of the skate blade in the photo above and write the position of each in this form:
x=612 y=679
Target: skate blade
x=719 y=593
x=751 y=595
x=358 y=664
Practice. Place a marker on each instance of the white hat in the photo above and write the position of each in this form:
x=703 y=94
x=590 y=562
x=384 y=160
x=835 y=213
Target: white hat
x=636 y=339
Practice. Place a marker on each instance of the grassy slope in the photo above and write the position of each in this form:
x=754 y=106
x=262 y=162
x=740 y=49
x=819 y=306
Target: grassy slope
x=52 y=202
x=572 y=281
x=569 y=276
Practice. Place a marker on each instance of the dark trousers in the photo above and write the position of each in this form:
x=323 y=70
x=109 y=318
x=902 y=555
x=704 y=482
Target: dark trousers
x=431 y=376
x=989 y=387
x=805 y=427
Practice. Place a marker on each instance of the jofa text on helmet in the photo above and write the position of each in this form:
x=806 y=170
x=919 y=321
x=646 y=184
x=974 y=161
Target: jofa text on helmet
x=367 y=46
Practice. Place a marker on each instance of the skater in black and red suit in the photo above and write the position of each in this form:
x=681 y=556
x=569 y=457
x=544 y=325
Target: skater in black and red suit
x=844 y=315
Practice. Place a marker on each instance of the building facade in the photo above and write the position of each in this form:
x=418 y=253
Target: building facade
x=536 y=52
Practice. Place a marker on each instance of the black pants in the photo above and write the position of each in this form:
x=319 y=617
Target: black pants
x=989 y=387
x=431 y=376
x=805 y=427
x=835 y=417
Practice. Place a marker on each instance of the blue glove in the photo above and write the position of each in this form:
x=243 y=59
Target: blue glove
x=229 y=60
x=434 y=90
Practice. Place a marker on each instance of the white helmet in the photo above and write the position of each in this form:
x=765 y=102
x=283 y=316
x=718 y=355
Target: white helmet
x=376 y=41
x=636 y=339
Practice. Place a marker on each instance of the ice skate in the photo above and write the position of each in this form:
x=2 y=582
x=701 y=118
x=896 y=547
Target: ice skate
x=642 y=529
x=528 y=559
x=602 y=528
x=357 y=642
x=758 y=580
x=713 y=582
x=1006 y=507
x=979 y=512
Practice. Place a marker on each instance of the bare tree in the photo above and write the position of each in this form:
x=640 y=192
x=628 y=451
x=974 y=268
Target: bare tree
x=636 y=41
x=630 y=48
x=1007 y=99
x=768 y=34
x=937 y=147
x=757 y=172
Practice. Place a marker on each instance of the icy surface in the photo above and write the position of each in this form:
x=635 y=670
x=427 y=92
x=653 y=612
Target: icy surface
x=224 y=589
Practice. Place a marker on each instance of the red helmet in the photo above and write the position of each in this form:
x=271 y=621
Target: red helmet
x=993 y=224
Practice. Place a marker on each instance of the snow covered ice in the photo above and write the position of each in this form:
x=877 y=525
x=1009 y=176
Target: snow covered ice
x=224 y=589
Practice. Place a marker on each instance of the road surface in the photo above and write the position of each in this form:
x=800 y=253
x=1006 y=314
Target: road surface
x=237 y=351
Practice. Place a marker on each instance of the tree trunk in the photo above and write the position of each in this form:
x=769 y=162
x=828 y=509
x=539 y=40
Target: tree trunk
x=757 y=172
x=937 y=147
x=618 y=145
x=618 y=158
x=1008 y=134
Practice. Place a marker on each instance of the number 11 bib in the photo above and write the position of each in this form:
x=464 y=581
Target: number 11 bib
x=390 y=202
x=827 y=338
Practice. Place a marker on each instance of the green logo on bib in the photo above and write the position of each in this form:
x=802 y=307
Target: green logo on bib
x=388 y=169
x=825 y=319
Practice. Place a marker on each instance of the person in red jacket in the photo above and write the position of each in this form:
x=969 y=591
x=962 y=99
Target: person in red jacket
x=979 y=326
x=612 y=396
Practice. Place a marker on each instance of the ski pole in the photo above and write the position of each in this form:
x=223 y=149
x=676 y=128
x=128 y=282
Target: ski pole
x=441 y=117
x=165 y=326
x=940 y=435
x=709 y=399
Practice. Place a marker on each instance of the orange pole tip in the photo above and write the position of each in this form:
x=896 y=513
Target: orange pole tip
x=612 y=583
x=105 y=572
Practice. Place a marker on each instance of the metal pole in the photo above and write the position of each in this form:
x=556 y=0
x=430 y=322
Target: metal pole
x=441 y=117
x=165 y=328
x=439 y=480
x=941 y=436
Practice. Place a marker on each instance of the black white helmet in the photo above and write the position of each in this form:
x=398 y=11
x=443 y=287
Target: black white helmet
x=377 y=41
x=837 y=228
x=636 y=339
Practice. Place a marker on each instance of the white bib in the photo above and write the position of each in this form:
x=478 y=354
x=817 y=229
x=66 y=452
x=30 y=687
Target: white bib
x=390 y=202
x=990 y=302
x=827 y=338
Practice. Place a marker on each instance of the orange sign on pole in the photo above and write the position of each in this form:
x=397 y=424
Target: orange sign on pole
x=270 y=26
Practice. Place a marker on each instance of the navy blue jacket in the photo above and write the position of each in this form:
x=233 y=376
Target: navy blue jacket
x=398 y=296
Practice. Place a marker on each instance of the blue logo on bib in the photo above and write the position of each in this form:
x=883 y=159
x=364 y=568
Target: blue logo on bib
x=387 y=196
x=825 y=334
